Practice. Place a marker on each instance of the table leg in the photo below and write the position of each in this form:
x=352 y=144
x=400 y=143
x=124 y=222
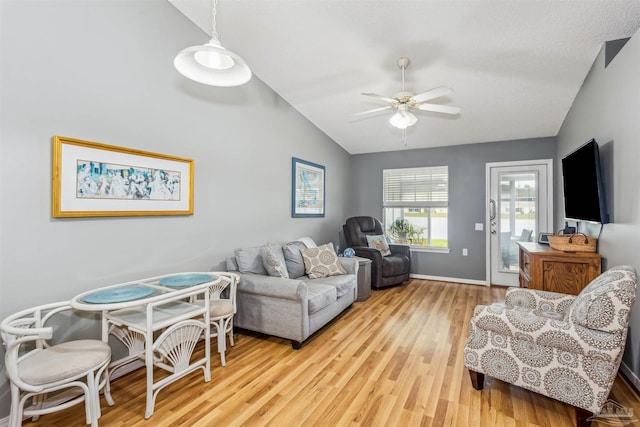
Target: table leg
x=148 y=361
x=207 y=338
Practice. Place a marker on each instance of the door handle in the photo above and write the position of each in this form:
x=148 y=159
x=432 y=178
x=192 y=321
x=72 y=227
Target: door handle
x=492 y=209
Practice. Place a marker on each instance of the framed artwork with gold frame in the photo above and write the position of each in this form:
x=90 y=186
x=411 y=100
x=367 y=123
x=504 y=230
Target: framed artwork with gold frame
x=91 y=179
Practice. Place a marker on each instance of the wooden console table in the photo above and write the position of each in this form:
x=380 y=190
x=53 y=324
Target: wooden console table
x=547 y=269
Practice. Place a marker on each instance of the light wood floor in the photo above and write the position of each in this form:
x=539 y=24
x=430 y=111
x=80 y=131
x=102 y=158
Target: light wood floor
x=393 y=360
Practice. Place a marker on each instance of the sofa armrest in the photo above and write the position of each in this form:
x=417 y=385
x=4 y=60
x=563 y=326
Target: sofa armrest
x=349 y=264
x=538 y=300
x=275 y=287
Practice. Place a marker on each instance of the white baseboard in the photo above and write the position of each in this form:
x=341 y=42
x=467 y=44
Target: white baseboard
x=70 y=394
x=630 y=376
x=450 y=279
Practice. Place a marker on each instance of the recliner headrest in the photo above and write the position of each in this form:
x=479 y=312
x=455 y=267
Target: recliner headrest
x=367 y=223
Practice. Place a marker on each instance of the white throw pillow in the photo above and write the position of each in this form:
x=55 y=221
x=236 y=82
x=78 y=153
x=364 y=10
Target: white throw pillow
x=272 y=263
x=380 y=243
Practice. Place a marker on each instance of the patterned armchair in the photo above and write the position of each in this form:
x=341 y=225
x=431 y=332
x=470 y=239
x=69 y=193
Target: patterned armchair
x=566 y=347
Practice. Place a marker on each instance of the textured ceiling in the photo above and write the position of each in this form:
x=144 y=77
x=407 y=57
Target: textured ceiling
x=514 y=66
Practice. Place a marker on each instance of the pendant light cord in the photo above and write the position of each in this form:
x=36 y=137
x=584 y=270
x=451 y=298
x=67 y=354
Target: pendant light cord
x=214 y=30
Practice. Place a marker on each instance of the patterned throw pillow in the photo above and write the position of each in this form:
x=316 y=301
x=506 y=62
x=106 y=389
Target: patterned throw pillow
x=380 y=243
x=322 y=262
x=272 y=263
x=605 y=303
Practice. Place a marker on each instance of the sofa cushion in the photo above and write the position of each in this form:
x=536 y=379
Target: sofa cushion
x=379 y=242
x=322 y=262
x=307 y=241
x=320 y=296
x=343 y=283
x=249 y=260
x=293 y=259
x=273 y=263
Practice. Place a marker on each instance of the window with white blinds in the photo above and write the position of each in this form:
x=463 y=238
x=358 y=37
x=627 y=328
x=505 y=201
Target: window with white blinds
x=426 y=187
x=415 y=206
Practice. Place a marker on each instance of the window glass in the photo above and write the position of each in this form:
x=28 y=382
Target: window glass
x=416 y=206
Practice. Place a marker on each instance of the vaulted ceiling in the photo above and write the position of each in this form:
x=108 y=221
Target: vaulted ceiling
x=515 y=67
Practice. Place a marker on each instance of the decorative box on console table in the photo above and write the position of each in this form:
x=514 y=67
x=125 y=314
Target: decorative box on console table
x=547 y=269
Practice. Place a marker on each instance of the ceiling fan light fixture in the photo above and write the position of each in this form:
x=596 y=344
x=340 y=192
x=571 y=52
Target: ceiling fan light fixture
x=212 y=64
x=403 y=118
x=404 y=102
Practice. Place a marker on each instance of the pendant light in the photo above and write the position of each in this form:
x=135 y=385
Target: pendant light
x=211 y=64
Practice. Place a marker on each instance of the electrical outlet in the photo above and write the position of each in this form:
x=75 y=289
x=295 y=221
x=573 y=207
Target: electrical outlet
x=465 y=252
x=479 y=226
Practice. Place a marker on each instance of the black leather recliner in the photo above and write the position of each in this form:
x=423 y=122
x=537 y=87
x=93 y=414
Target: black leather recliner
x=390 y=270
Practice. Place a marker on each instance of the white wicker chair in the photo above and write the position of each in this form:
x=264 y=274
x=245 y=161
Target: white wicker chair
x=222 y=310
x=36 y=367
x=172 y=352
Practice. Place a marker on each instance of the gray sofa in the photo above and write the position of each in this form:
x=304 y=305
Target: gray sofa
x=292 y=308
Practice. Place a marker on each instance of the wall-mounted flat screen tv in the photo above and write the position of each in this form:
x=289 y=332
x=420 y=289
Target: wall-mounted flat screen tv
x=584 y=198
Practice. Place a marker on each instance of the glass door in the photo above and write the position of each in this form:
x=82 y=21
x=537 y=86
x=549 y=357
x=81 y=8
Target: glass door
x=519 y=208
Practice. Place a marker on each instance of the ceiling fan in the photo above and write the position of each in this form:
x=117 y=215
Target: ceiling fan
x=405 y=102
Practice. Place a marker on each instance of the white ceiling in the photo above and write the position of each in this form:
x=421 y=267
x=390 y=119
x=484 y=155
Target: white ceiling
x=515 y=65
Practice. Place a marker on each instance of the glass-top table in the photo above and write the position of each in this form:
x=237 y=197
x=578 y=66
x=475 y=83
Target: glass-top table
x=134 y=311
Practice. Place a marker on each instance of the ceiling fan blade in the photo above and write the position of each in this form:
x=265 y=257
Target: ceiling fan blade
x=431 y=94
x=383 y=98
x=388 y=107
x=438 y=108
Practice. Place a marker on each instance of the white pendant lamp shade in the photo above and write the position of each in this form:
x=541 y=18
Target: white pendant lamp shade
x=403 y=118
x=211 y=64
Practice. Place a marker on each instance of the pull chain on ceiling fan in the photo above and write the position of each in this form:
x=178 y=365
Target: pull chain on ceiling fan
x=405 y=102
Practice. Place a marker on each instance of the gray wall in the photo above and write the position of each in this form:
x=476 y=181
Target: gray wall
x=606 y=108
x=103 y=71
x=466 y=195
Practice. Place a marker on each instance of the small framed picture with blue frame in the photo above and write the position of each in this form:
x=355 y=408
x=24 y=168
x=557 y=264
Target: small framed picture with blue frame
x=307 y=189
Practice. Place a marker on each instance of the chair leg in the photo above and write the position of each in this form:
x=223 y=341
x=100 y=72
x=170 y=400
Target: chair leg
x=222 y=339
x=92 y=400
x=107 y=387
x=583 y=417
x=477 y=379
x=38 y=401
x=230 y=329
x=15 y=414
